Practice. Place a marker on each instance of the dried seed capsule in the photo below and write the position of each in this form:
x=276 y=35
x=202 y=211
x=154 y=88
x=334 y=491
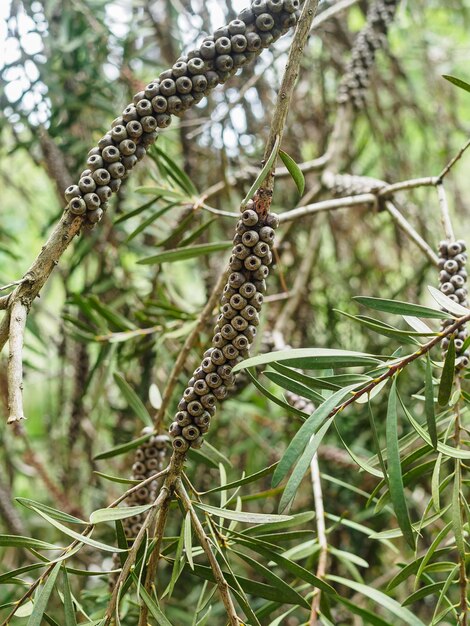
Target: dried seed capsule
x=201 y=388
x=190 y=432
x=442 y=247
x=252 y=262
x=148 y=139
x=272 y=220
x=134 y=129
x=235 y=264
x=207 y=50
x=444 y=277
x=457 y=280
x=117 y=170
x=208 y=401
x=247 y=16
x=249 y=217
x=447 y=288
x=461 y=294
x=253 y=41
x=194 y=408
x=218 y=341
x=138 y=97
x=152 y=89
x=461 y=259
x=175 y=105
x=199 y=373
x=240 y=251
x=458 y=344
x=159 y=104
x=94 y=152
x=454 y=249
x=274 y=6
x=250 y=333
x=237 y=302
x=239 y=60
x=111 y=153
x=77 y=206
x=225 y=371
x=149 y=123
x=87 y=184
x=180 y=444
x=259 y=6
x=163 y=120
x=103 y=192
x=267 y=234
x=129 y=113
x=228 y=332
x=221 y=32
x=236 y=280
x=119 y=133
x=221 y=392
x=199 y=82
x=196 y=65
x=94 y=161
x=250 y=314
x=144 y=107
x=288 y=21
x=451 y=266
x=239 y=323
x=212 y=79
x=128 y=147
x=92 y=201
x=247 y=290
x=217 y=357
x=236 y=27
x=213 y=380
x=261 y=273
x=241 y=342
x=182 y=418
x=228 y=311
x=129 y=161
x=101 y=176
x=203 y=420
x=453 y=297
x=138 y=468
x=260 y=286
x=224 y=63
x=257 y=301
x=115 y=184
x=179 y=69
x=207 y=366
x=265 y=22
x=250 y=238
x=223 y=45
x=117 y=122
x=291 y=6
x=139 y=455
x=463 y=245
x=72 y=192
x=238 y=44
x=189 y=394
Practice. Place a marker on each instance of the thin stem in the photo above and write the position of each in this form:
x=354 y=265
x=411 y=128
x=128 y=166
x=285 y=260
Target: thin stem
x=327 y=205
x=321 y=535
x=453 y=161
x=445 y=216
x=204 y=541
x=15 y=363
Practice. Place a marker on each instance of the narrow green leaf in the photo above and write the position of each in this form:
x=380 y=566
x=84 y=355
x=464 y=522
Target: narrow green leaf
x=122 y=449
x=16 y=541
x=432 y=549
x=153 y=606
x=428 y=590
x=429 y=403
x=457 y=523
x=270 y=396
x=40 y=604
x=381 y=599
x=133 y=399
x=182 y=254
x=243 y=481
x=302 y=437
x=368 y=617
x=457 y=81
x=188 y=539
x=447 y=377
x=294 y=386
x=197 y=233
x=59 y=515
x=294 y=520
x=117 y=479
x=311 y=358
x=243 y=516
x=435 y=491
x=111 y=515
x=75 y=535
x=69 y=611
x=302 y=466
x=447 y=304
x=263 y=174
x=294 y=170
x=401 y=308
x=397 y=494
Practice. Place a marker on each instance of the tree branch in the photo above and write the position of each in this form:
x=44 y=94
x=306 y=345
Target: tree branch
x=15 y=363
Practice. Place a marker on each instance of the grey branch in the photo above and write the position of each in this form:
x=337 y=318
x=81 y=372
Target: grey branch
x=15 y=363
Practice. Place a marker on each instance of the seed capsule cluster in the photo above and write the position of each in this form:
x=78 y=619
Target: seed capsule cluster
x=452 y=283
x=342 y=185
x=149 y=459
x=371 y=38
x=191 y=78
x=235 y=329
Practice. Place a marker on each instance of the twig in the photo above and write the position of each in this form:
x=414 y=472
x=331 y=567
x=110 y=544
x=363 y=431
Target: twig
x=327 y=205
x=321 y=535
x=452 y=162
x=13 y=284
x=340 y=6
x=408 y=229
x=204 y=541
x=413 y=183
x=187 y=347
x=445 y=216
x=15 y=363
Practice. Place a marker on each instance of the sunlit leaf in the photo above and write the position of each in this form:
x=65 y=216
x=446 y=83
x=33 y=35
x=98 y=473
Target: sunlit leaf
x=182 y=254
x=42 y=600
x=401 y=308
x=447 y=376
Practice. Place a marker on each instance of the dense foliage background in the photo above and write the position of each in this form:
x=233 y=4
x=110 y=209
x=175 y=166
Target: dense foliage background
x=68 y=69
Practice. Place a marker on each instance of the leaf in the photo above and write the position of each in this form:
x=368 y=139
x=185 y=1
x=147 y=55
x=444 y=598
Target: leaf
x=133 y=399
x=370 y=618
x=111 y=515
x=69 y=611
x=188 y=540
x=62 y=517
x=152 y=606
x=457 y=81
x=401 y=308
x=117 y=479
x=381 y=599
x=16 y=541
x=429 y=403
x=252 y=375
x=75 y=535
x=243 y=481
x=395 y=482
x=243 y=516
x=302 y=437
x=122 y=449
x=294 y=386
x=447 y=376
x=302 y=466
x=177 y=174
x=457 y=524
x=294 y=520
x=182 y=254
x=428 y=590
x=311 y=358
x=418 y=325
x=40 y=604
x=294 y=170
x=263 y=174
x=446 y=303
